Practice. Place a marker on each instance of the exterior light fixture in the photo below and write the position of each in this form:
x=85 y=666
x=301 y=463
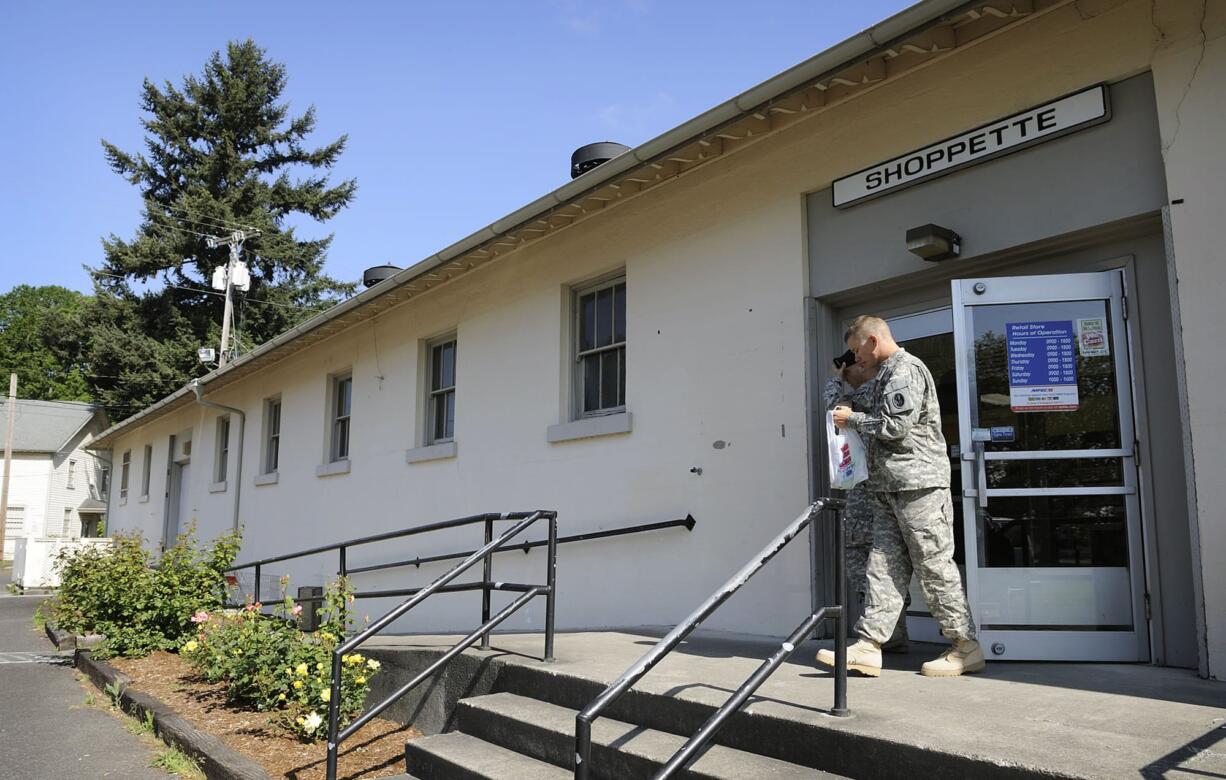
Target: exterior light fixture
x=933 y=242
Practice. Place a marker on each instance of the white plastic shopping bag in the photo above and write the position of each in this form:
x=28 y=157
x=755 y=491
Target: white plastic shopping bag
x=848 y=460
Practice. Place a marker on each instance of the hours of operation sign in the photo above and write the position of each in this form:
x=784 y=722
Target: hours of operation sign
x=1042 y=366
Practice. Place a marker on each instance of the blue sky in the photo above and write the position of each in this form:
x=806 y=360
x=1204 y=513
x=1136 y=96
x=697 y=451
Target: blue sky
x=457 y=112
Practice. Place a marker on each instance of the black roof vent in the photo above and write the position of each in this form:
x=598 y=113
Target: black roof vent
x=378 y=273
x=588 y=157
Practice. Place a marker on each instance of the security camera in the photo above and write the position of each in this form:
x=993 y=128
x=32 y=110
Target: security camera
x=206 y=354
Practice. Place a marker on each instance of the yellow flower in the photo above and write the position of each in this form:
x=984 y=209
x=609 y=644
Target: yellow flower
x=237 y=651
x=289 y=670
x=300 y=720
x=372 y=665
x=302 y=670
x=281 y=697
x=360 y=680
x=325 y=694
x=319 y=667
x=190 y=646
x=297 y=684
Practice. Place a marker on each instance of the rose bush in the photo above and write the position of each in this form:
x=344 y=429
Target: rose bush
x=265 y=661
x=138 y=604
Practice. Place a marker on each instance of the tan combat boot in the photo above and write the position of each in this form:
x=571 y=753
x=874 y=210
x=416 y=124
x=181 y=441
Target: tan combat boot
x=863 y=657
x=963 y=658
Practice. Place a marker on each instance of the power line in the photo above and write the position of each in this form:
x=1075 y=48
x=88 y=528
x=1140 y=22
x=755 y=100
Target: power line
x=203 y=220
x=317 y=307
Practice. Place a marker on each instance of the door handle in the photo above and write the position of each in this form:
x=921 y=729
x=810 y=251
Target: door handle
x=981 y=475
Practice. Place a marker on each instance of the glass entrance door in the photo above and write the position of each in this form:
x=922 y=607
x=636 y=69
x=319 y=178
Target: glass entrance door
x=1052 y=539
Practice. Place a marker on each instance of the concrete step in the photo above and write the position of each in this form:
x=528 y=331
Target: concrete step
x=457 y=756
x=620 y=751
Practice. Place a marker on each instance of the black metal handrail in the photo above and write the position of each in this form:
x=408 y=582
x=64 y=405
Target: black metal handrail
x=688 y=751
x=687 y=523
x=343 y=570
x=336 y=735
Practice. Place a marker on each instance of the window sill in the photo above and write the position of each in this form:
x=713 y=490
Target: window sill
x=270 y=478
x=218 y=487
x=333 y=468
x=440 y=451
x=143 y=499
x=589 y=427
x=123 y=500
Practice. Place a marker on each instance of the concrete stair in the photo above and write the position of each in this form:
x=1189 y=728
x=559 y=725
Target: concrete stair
x=509 y=736
x=619 y=750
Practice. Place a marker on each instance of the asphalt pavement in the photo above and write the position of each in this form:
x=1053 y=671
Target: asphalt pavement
x=46 y=730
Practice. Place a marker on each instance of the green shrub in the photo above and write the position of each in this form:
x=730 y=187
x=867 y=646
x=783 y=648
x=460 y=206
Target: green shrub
x=265 y=661
x=137 y=604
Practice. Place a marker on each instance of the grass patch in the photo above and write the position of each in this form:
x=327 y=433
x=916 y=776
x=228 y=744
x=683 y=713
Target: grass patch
x=176 y=762
x=40 y=616
x=140 y=725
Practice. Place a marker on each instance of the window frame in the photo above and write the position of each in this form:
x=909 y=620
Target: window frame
x=125 y=463
x=270 y=455
x=337 y=420
x=221 y=449
x=432 y=394
x=146 y=471
x=578 y=354
x=72 y=468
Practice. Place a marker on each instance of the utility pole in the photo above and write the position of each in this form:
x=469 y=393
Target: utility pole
x=8 y=461
x=234 y=274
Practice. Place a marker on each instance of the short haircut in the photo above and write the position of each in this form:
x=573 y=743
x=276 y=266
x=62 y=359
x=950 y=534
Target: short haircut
x=867 y=325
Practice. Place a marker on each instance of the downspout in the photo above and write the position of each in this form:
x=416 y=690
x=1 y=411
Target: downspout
x=242 y=425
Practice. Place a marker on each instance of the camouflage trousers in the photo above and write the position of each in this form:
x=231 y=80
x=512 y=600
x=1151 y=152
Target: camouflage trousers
x=913 y=531
x=858 y=522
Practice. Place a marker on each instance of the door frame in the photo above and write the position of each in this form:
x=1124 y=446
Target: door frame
x=1075 y=645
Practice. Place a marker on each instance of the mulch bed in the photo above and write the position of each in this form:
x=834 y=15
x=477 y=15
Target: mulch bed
x=376 y=750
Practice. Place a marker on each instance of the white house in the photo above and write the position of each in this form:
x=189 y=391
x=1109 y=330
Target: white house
x=57 y=487
x=649 y=340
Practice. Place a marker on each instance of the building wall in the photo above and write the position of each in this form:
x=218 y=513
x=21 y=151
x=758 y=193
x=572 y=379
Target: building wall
x=84 y=483
x=1189 y=68
x=28 y=480
x=716 y=278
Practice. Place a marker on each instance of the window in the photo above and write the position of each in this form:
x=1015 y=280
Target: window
x=104 y=482
x=146 y=471
x=342 y=399
x=66 y=528
x=72 y=468
x=222 y=457
x=15 y=521
x=440 y=412
x=272 y=434
x=124 y=464
x=600 y=348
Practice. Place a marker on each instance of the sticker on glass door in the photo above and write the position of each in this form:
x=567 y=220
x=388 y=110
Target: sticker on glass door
x=1042 y=366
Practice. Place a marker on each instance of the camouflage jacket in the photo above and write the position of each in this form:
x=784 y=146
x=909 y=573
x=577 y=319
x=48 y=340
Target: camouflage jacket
x=838 y=392
x=902 y=428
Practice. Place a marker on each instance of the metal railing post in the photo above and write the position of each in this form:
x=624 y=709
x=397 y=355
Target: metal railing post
x=583 y=743
x=255 y=597
x=551 y=579
x=334 y=713
x=342 y=571
x=840 y=622
x=487 y=575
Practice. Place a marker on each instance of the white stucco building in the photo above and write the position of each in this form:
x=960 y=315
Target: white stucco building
x=57 y=487
x=1074 y=149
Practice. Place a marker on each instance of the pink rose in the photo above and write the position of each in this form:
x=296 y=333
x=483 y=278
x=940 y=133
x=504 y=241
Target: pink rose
x=296 y=611
x=253 y=607
x=200 y=617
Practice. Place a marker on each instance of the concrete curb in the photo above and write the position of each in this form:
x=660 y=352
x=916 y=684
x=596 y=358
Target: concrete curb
x=217 y=760
x=66 y=641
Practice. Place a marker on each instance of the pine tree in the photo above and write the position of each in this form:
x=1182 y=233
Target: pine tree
x=222 y=152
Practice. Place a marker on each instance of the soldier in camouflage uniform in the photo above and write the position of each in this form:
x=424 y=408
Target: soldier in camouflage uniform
x=853 y=386
x=912 y=507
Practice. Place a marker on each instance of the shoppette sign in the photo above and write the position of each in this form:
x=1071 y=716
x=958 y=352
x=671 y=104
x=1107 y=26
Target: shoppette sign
x=1063 y=116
